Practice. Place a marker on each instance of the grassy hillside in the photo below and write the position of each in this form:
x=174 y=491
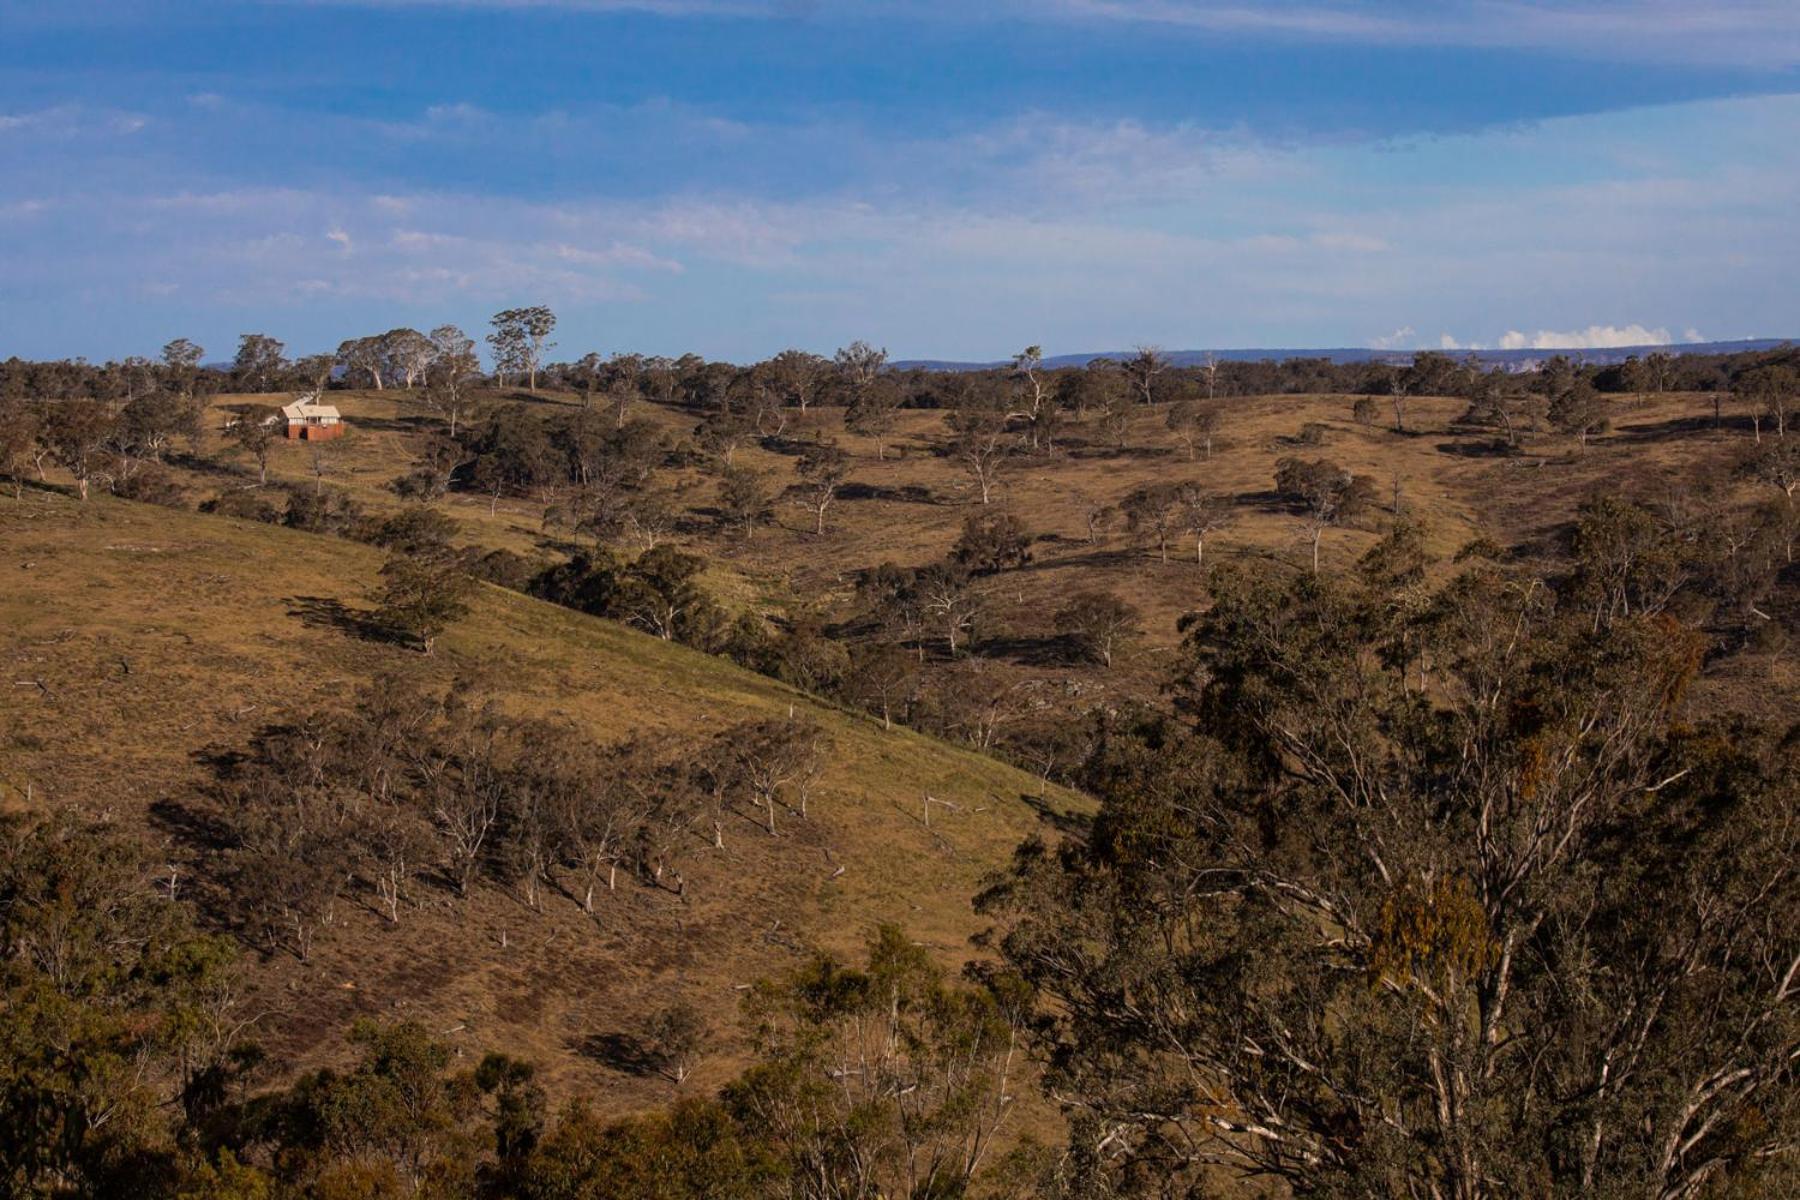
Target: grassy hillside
x=136 y=637
x=909 y=506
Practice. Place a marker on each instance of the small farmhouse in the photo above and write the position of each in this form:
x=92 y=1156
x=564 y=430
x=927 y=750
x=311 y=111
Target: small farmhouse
x=308 y=420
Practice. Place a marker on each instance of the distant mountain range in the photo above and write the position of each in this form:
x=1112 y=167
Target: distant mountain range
x=1515 y=359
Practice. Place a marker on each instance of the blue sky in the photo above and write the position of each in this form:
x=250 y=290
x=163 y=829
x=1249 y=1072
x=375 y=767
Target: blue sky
x=947 y=179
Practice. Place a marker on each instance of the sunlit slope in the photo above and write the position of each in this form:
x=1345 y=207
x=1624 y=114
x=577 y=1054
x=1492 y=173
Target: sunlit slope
x=135 y=637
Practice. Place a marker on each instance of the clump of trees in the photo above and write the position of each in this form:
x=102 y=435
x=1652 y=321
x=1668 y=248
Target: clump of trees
x=424 y=589
x=519 y=339
x=1098 y=623
x=1439 y=898
x=124 y=1024
x=992 y=542
x=1324 y=494
x=878 y=1078
x=410 y=785
x=661 y=592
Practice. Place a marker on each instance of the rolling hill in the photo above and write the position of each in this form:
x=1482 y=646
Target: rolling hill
x=138 y=641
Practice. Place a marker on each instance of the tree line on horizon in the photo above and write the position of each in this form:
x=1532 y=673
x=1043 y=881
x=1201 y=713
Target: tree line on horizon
x=518 y=347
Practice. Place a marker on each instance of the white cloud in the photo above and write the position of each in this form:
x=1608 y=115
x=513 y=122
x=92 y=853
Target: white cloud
x=461 y=111
x=1400 y=339
x=1040 y=155
x=1594 y=337
x=68 y=121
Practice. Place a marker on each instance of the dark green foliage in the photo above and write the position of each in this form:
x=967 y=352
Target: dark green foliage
x=148 y=483
x=396 y=1116
x=246 y=504
x=20 y=428
x=150 y=423
x=746 y=501
x=323 y=510
x=504 y=568
x=422 y=594
x=76 y=433
x=432 y=470
x=991 y=542
x=512 y=452
x=661 y=593
x=1097 y=623
x=1423 y=898
x=1153 y=514
x=1324 y=494
x=919 y=1114
x=694 y=1150
x=115 y=1014
x=416 y=530
x=1580 y=411
x=586 y=583
x=807 y=657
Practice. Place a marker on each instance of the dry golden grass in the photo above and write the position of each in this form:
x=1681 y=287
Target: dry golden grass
x=133 y=636
x=909 y=507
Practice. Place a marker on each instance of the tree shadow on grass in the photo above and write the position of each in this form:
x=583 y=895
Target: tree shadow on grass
x=414 y=423
x=1026 y=651
x=1478 y=446
x=911 y=493
x=622 y=1052
x=323 y=612
x=1072 y=824
x=191 y=824
x=1678 y=428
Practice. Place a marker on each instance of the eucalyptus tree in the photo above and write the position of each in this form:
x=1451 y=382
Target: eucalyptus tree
x=260 y=360
x=519 y=339
x=1522 y=932
x=1143 y=368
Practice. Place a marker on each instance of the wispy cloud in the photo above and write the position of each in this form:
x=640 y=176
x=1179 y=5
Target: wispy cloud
x=1762 y=32
x=1077 y=235
x=1759 y=32
x=68 y=121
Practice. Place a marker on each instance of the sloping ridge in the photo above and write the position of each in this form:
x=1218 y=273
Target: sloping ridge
x=136 y=637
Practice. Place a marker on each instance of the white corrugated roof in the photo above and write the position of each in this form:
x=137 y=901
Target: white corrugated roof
x=304 y=409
